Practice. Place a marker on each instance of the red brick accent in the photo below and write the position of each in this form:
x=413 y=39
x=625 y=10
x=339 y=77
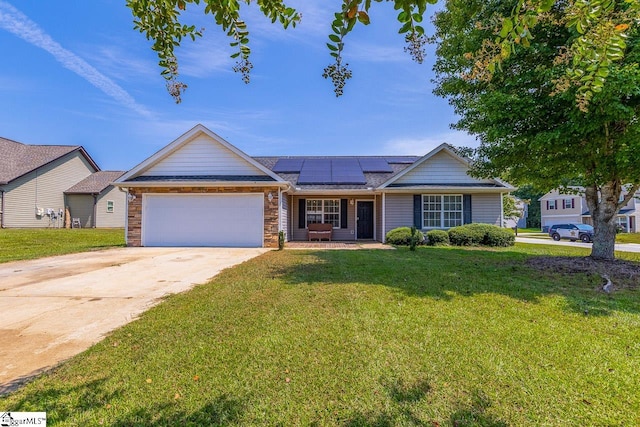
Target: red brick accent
x=271 y=211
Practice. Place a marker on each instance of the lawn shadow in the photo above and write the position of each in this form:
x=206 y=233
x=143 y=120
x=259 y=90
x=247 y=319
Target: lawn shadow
x=98 y=395
x=406 y=398
x=220 y=411
x=443 y=273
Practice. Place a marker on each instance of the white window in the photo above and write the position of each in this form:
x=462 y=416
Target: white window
x=323 y=211
x=567 y=204
x=621 y=221
x=441 y=211
x=551 y=205
x=109 y=206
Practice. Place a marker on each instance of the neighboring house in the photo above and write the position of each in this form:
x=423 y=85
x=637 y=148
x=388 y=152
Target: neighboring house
x=202 y=191
x=33 y=179
x=95 y=202
x=560 y=208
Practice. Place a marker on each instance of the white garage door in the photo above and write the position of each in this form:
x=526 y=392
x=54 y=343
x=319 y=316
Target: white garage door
x=202 y=220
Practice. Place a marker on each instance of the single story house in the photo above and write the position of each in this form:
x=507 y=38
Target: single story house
x=558 y=207
x=34 y=180
x=202 y=191
x=95 y=202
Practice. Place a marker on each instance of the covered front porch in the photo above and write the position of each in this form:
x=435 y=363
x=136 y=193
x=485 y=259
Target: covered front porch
x=354 y=217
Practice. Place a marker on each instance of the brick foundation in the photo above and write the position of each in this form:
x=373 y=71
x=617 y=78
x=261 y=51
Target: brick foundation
x=134 y=228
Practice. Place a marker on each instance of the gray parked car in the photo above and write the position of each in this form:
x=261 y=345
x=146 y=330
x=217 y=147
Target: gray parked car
x=573 y=232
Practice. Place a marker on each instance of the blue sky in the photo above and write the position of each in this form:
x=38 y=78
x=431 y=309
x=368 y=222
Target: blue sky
x=76 y=73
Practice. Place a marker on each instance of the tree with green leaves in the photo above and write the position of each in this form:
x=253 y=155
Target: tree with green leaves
x=510 y=208
x=530 y=130
x=601 y=27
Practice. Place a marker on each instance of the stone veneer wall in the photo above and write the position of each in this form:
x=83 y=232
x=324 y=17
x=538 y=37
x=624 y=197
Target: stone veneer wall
x=134 y=230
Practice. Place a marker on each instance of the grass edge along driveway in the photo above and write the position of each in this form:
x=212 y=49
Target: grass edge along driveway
x=442 y=336
x=30 y=243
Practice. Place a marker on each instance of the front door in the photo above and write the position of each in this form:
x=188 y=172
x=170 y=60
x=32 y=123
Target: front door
x=364 y=220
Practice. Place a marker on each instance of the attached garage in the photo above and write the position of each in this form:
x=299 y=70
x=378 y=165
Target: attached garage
x=234 y=220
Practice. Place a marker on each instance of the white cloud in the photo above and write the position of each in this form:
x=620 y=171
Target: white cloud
x=122 y=64
x=420 y=146
x=15 y=22
x=205 y=56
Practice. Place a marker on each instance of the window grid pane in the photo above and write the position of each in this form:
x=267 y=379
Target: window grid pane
x=441 y=211
x=323 y=211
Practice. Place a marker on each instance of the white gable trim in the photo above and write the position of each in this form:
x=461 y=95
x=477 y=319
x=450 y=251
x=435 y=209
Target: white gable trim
x=442 y=147
x=184 y=139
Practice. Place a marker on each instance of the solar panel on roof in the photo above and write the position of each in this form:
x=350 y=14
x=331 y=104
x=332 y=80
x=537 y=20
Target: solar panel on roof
x=346 y=171
x=375 y=164
x=402 y=160
x=315 y=171
x=288 y=165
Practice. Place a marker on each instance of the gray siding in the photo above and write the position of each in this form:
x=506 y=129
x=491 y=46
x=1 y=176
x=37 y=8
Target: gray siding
x=284 y=216
x=81 y=207
x=43 y=188
x=115 y=219
x=486 y=208
x=203 y=156
x=399 y=211
x=441 y=168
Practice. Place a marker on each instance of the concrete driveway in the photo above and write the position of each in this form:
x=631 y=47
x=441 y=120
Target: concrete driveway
x=53 y=308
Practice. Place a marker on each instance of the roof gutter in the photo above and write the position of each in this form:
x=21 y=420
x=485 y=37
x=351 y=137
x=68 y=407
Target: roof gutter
x=143 y=184
x=365 y=191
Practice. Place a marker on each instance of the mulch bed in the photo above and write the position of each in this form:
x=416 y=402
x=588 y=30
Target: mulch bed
x=623 y=274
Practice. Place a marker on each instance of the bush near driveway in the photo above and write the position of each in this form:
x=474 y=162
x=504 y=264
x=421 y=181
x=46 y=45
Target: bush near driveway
x=440 y=336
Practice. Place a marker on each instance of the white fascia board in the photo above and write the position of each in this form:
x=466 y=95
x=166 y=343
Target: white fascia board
x=301 y=192
x=135 y=184
x=452 y=190
x=182 y=140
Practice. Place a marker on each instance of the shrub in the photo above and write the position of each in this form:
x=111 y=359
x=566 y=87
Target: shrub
x=401 y=236
x=481 y=234
x=497 y=236
x=437 y=238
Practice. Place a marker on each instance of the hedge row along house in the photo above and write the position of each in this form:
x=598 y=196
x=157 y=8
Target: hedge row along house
x=200 y=190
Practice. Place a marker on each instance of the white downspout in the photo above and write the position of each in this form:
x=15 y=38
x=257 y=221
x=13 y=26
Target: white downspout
x=126 y=215
x=279 y=210
x=502 y=210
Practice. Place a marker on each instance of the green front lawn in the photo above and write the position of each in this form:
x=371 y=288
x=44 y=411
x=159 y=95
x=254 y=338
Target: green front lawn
x=628 y=238
x=436 y=337
x=17 y=244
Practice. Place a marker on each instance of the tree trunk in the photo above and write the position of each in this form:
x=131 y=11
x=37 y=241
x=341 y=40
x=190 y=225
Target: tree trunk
x=604 y=210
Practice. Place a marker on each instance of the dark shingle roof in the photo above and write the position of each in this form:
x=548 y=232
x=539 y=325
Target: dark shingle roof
x=17 y=159
x=95 y=183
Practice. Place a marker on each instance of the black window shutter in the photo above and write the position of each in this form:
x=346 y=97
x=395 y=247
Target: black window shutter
x=302 y=213
x=343 y=213
x=466 y=208
x=417 y=211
